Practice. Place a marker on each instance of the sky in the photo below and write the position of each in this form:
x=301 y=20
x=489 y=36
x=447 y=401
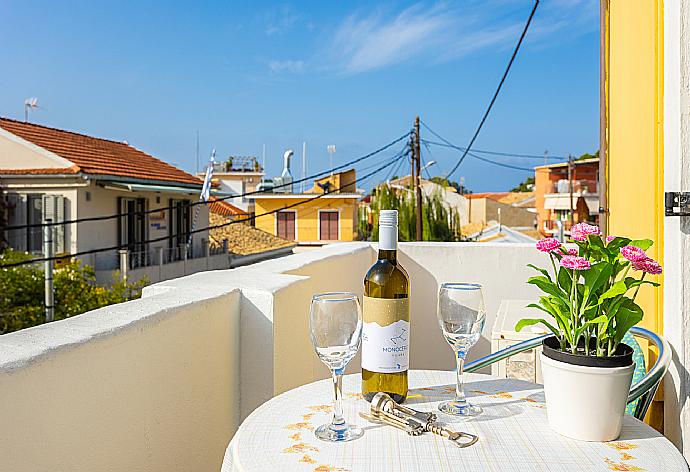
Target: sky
x=354 y=74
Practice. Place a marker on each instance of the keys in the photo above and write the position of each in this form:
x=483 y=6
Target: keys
x=384 y=410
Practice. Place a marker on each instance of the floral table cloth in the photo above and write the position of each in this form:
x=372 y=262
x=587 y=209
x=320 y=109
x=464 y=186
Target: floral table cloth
x=513 y=434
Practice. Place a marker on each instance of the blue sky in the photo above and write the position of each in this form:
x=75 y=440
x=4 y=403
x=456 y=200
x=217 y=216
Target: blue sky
x=353 y=74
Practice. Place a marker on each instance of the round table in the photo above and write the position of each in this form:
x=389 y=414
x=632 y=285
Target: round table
x=513 y=434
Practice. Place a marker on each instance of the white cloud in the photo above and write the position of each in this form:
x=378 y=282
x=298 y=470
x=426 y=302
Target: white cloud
x=443 y=32
x=280 y=20
x=288 y=66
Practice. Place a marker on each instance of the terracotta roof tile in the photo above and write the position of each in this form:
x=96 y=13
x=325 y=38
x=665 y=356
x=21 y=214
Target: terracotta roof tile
x=244 y=239
x=95 y=156
x=224 y=208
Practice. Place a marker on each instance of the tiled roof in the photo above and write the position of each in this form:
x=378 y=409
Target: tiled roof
x=94 y=156
x=244 y=239
x=223 y=208
x=490 y=195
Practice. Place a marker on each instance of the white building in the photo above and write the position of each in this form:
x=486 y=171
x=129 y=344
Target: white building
x=57 y=174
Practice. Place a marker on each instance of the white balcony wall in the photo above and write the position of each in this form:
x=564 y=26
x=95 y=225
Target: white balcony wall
x=161 y=383
x=149 y=385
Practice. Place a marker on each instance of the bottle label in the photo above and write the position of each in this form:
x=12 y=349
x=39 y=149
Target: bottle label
x=386 y=334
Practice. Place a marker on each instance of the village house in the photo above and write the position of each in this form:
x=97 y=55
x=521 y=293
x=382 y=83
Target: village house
x=63 y=175
x=325 y=213
x=552 y=191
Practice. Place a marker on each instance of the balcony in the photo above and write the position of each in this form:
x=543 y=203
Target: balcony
x=162 y=383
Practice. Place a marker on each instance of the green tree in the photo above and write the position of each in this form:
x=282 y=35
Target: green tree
x=76 y=291
x=461 y=189
x=526 y=186
x=439 y=223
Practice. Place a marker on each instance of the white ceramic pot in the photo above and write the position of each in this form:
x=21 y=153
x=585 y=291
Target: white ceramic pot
x=586 y=403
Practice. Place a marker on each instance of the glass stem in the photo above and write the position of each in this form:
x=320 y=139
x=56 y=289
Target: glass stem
x=338 y=421
x=460 y=386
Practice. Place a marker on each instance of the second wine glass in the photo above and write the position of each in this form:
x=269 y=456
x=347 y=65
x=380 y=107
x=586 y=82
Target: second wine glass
x=461 y=315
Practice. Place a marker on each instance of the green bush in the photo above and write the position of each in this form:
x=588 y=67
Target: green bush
x=76 y=291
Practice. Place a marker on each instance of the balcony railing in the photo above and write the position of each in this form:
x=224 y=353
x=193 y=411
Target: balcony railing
x=579 y=187
x=162 y=383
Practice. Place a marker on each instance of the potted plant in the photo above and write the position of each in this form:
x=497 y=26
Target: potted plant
x=590 y=297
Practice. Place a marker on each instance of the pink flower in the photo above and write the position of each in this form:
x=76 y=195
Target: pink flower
x=548 y=244
x=633 y=253
x=647 y=265
x=575 y=263
x=580 y=231
x=610 y=238
x=572 y=251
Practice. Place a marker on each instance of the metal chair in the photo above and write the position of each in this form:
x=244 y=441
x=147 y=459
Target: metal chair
x=643 y=390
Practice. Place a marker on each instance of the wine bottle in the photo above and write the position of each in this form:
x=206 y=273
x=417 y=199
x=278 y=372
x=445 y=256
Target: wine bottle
x=386 y=316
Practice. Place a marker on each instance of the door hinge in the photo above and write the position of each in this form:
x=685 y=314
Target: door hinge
x=677 y=203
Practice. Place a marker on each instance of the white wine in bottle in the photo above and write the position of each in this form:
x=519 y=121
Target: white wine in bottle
x=386 y=316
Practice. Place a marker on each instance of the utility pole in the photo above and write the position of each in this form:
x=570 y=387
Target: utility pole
x=570 y=185
x=48 y=269
x=417 y=180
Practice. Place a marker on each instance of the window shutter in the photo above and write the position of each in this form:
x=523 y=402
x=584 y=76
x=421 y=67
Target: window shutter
x=54 y=209
x=16 y=216
x=60 y=242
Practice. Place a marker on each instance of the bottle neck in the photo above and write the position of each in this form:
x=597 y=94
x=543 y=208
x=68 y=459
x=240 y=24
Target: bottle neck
x=388 y=242
x=390 y=255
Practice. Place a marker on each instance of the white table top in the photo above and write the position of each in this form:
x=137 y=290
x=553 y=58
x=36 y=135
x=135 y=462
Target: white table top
x=513 y=434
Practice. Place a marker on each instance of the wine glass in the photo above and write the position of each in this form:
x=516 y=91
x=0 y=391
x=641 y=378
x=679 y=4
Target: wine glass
x=461 y=314
x=336 y=332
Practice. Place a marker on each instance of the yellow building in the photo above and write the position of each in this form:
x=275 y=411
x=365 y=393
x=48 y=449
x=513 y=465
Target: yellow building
x=324 y=214
x=645 y=153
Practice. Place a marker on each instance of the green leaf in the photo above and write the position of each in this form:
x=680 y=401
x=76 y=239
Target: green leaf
x=643 y=244
x=539 y=269
x=565 y=280
x=615 y=245
x=560 y=312
x=627 y=316
x=595 y=278
x=595 y=241
x=531 y=321
x=632 y=282
x=546 y=285
x=616 y=289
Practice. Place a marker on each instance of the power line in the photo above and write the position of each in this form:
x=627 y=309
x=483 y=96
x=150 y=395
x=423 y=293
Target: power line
x=494 y=153
x=498 y=89
x=165 y=238
x=501 y=164
x=201 y=202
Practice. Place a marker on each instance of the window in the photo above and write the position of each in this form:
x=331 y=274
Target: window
x=34 y=213
x=285 y=222
x=180 y=224
x=30 y=209
x=133 y=223
x=328 y=225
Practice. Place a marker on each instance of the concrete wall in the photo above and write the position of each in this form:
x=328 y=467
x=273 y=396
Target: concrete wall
x=676 y=250
x=484 y=210
x=17 y=153
x=148 y=385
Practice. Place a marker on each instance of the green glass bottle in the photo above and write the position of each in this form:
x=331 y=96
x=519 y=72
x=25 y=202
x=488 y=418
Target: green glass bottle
x=386 y=316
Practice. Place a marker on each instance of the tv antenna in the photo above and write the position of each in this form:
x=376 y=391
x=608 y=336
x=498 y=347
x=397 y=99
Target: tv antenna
x=29 y=103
